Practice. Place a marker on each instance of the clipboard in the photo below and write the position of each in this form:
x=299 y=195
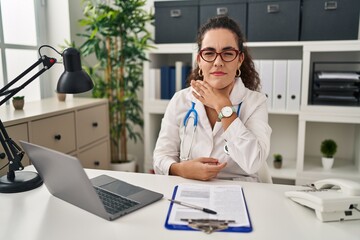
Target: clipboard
x=209 y=226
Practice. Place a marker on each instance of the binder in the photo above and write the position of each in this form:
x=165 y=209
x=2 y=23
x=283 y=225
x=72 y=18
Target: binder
x=167 y=82
x=216 y=222
x=279 y=89
x=293 y=85
x=266 y=78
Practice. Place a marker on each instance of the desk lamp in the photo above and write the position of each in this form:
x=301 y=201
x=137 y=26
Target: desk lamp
x=72 y=80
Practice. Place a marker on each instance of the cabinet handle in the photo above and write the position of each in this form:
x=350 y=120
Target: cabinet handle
x=57 y=137
x=95 y=124
x=330 y=5
x=97 y=163
x=293 y=97
x=279 y=96
x=273 y=8
x=221 y=11
x=175 y=13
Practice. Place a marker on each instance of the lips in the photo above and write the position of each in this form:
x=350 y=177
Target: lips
x=219 y=73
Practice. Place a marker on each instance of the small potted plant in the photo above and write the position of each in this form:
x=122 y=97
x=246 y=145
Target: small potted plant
x=328 y=149
x=18 y=102
x=277 y=160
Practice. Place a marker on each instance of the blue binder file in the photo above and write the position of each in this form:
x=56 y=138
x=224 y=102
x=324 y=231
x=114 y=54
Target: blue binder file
x=240 y=223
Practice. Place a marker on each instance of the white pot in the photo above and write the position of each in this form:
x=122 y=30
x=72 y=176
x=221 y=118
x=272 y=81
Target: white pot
x=327 y=163
x=129 y=166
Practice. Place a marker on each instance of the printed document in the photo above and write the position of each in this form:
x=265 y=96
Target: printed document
x=227 y=200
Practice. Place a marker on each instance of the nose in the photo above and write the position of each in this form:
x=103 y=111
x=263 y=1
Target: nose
x=218 y=61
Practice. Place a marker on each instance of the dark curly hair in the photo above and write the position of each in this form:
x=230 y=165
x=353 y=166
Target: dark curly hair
x=249 y=75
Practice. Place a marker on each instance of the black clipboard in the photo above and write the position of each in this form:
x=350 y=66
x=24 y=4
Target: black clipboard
x=186 y=226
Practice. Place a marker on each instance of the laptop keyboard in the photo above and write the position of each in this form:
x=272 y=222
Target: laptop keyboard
x=114 y=203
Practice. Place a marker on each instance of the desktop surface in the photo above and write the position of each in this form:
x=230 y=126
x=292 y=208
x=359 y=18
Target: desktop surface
x=37 y=215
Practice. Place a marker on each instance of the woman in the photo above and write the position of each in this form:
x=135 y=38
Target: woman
x=232 y=135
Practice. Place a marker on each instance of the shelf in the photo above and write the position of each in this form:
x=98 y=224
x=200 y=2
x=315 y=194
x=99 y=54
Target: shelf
x=287 y=171
x=341 y=168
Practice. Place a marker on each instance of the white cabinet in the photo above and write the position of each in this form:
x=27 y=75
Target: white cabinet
x=78 y=127
x=298 y=127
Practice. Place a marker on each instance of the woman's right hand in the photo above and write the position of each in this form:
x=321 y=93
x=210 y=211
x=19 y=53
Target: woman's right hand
x=199 y=169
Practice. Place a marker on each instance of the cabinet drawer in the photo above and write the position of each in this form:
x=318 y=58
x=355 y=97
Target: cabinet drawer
x=16 y=133
x=56 y=132
x=96 y=157
x=92 y=124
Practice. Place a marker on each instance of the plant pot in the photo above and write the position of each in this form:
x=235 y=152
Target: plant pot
x=61 y=97
x=277 y=164
x=18 y=104
x=129 y=166
x=327 y=163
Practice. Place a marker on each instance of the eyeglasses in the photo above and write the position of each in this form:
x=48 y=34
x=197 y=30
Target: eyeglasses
x=226 y=56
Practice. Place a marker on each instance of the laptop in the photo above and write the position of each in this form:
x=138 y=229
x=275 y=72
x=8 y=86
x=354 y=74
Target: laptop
x=103 y=196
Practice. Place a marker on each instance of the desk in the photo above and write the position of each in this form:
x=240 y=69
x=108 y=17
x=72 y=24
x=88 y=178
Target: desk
x=37 y=215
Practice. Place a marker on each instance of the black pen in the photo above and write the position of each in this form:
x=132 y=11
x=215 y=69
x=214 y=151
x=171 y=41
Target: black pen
x=193 y=206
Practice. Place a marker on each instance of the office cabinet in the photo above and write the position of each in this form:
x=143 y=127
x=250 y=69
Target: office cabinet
x=176 y=21
x=236 y=9
x=78 y=127
x=295 y=122
x=330 y=20
x=271 y=20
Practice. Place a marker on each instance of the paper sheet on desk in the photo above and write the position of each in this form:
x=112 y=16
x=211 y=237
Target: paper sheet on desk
x=227 y=200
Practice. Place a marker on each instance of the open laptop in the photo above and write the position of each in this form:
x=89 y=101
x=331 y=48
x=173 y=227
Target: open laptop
x=103 y=196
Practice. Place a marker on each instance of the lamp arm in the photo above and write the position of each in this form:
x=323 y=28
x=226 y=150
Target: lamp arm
x=13 y=152
x=47 y=62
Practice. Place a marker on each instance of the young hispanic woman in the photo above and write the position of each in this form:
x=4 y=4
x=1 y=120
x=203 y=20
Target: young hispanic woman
x=218 y=127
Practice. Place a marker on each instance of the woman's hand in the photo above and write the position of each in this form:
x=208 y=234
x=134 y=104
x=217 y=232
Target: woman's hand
x=200 y=169
x=210 y=97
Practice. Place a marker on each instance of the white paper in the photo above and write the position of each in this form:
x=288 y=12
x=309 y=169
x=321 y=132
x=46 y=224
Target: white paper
x=227 y=200
x=338 y=75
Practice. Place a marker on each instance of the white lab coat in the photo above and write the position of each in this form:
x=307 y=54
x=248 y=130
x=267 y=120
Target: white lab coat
x=247 y=138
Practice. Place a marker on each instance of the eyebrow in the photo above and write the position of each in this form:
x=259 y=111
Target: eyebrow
x=224 y=49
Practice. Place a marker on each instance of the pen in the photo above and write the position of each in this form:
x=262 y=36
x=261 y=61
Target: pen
x=193 y=206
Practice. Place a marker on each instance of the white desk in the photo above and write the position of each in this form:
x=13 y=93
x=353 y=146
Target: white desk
x=37 y=215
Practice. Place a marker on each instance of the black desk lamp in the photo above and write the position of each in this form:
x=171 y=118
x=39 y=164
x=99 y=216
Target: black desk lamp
x=72 y=80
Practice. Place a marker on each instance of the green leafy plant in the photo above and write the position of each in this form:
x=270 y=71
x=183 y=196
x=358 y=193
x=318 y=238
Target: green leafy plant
x=328 y=148
x=277 y=157
x=116 y=33
x=18 y=97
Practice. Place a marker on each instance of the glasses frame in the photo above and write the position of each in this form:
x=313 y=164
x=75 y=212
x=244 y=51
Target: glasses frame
x=238 y=52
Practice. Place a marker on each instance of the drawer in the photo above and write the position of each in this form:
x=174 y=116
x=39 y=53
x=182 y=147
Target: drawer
x=235 y=9
x=16 y=133
x=330 y=19
x=92 y=124
x=56 y=132
x=271 y=20
x=176 y=21
x=96 y=156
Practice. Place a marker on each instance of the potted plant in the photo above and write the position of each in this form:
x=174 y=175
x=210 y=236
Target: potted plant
x=18 y=102
x=277 y=160
x=328 y=149
x=116 y=33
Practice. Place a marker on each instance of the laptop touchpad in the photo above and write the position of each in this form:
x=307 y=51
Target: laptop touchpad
x=121 y=188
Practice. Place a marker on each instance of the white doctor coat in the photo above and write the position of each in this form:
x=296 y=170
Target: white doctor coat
x=247 y=138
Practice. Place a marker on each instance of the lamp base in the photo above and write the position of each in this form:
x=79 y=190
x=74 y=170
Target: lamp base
x=24 y=181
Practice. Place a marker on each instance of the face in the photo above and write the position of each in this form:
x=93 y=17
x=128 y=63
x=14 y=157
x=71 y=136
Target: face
x=220 y=74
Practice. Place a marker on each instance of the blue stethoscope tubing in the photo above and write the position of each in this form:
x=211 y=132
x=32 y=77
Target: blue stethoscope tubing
x=195 y=117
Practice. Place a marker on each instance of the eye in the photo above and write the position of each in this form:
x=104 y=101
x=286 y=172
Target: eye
x=229 y=53
x=208 y=53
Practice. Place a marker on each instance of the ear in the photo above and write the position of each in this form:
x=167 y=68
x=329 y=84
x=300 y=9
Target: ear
x=198 y=60
x=241 y=59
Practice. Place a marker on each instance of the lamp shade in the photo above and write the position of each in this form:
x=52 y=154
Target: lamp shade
x=74 y=79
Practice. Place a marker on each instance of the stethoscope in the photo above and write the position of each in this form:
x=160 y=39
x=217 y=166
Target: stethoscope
x=192 y=114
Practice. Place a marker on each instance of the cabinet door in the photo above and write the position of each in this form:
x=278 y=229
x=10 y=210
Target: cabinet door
x=56 y=132
x=92 y=124
x=96 y=157
x=15 y=132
